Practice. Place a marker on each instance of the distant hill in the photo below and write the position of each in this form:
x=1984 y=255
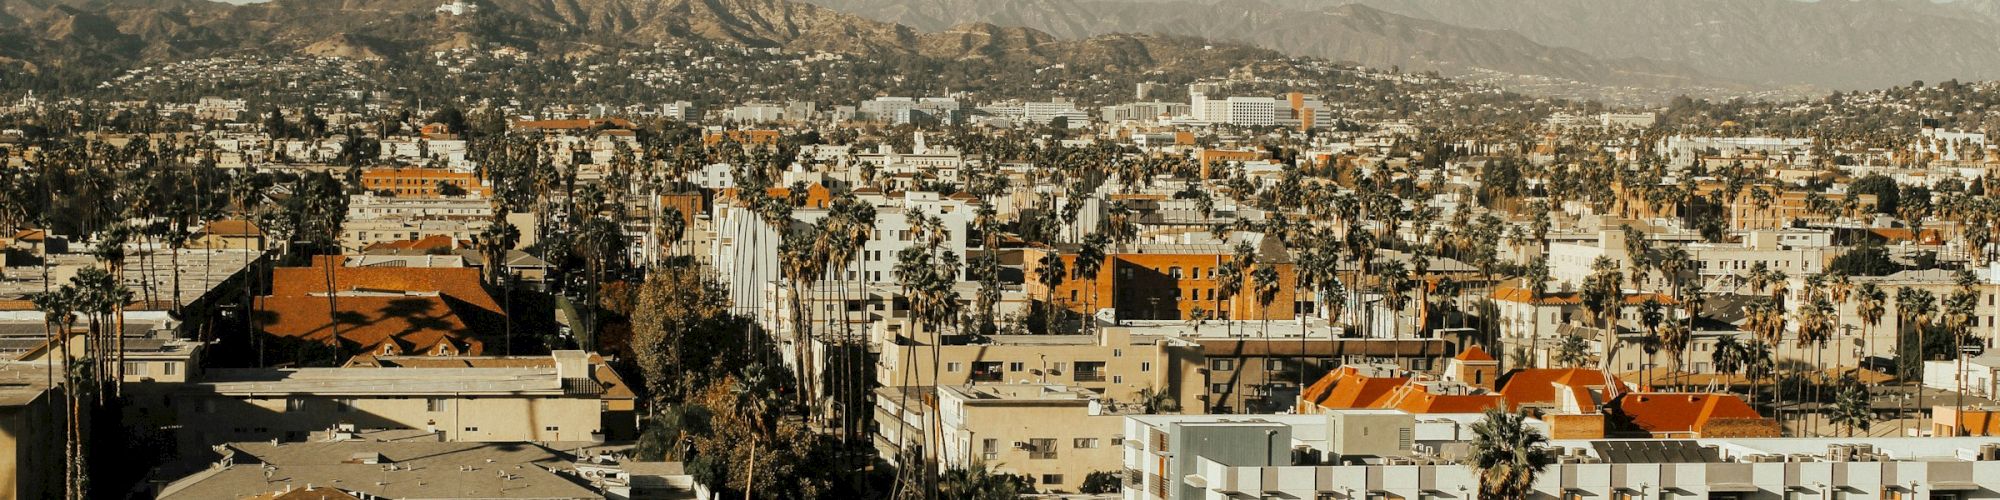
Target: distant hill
x=92 y=39
x=1755 y=44
x=1352 y=32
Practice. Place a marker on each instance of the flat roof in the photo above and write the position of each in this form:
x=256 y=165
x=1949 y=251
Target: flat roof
x=421 y=470
x=381 y=381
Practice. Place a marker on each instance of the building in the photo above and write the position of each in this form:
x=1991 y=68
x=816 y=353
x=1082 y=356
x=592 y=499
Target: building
x=563 y=399
x=1386 y=454
x=369 y=469
x=384 y=311
x=32 y=416
x=1168 y=282
x=415 y=182
x=1112 y=363
x=1008 y=426
x=229 y=235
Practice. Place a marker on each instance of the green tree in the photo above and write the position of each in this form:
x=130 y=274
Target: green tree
x=1508 y=455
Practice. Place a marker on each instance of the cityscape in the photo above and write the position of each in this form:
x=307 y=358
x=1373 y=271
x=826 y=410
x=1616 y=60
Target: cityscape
x=937 y=249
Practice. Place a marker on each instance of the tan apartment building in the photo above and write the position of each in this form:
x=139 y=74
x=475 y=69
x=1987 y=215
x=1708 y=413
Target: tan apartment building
x=1008 y=426
x=563 y=400
x=31 y=432
x=1112 y=363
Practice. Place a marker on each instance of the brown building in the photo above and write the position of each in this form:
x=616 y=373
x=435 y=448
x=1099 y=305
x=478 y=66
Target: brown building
x=1169 y=282
x=409 y=182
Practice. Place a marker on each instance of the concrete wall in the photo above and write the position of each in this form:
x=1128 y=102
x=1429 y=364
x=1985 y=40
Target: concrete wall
x=214 y=419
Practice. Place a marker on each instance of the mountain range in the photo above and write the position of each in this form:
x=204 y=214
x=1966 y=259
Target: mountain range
x=92 y=39
x=1753 y=44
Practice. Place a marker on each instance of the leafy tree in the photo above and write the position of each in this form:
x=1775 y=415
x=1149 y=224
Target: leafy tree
x=1869 y=259
x=1100 y=483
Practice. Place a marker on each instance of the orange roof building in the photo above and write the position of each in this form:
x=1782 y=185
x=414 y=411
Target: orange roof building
x=1691 y=415
x=411 y=182
x=1548 y=387
x=381 y=311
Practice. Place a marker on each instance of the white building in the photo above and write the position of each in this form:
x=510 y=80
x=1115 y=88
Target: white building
x=1384 y=454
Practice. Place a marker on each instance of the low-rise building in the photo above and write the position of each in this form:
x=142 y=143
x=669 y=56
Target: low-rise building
x=563 y=399
x=32 y=413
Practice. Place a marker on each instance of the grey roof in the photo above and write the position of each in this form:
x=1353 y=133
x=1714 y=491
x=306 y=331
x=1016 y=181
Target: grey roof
x=1655 y=452
x=381 y=381
x=422 y=470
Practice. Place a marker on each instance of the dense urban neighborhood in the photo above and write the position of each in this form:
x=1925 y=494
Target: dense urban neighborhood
x=523 y=262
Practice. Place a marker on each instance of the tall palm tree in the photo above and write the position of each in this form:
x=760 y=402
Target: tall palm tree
x=59 y=309
x=1961 y=315
x=1508 y=454
x=1050 y=273
x=1727 y=355
x=1089 y=261
x=1915 y=307
x=1537 y=282
x=1851 y=404
x=1604 y=297
x=1267 y=283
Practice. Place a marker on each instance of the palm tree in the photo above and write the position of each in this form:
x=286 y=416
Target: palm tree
x=1914 y=307
x=1537 y=282
x=1869 y=304
x=59 y=308
x=1851 y=405
x=1266 y=277
x=1089 y=261
x=1961 y=315
x=1604 y=297
x=1049 y=272
x=1727 y=356
x=1571 y=352
x=1508 y=455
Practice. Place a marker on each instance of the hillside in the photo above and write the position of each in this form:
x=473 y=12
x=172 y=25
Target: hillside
x=1355 y=33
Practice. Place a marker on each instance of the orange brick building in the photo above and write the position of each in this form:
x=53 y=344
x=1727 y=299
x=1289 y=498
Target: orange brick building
x=744 y=137
x=412 y=182
x=1167 y=283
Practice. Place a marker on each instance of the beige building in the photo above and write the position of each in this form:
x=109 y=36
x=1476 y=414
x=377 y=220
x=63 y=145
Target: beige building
x=1011 y=427
x=562 y=401
x=31 y=432
x=1112 y=363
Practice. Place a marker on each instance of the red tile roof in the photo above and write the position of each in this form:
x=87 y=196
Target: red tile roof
x=1537 y=386
x=427 y=325
x=1347 y=388
x=1474 y=353
x=1682 y=412
x=460 y=283
x=432 y=242
x=1417 y=398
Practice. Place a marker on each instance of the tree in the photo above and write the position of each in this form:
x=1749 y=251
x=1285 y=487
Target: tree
x=1101 y=483
x=1869 y=259
x=1508 y=455
x=1572 y=352
x=1851 y=405
x=979 y=482
x=1049 y=272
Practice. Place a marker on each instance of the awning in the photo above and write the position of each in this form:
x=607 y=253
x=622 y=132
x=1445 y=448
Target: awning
x=1733 y=487
x=1196 y=480
x=1953 y=486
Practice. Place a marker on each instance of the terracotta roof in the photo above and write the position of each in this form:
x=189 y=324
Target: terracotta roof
x=1538 y=385
x=1474 y=353
x=1682 y=412
x=1348 y=388
x=1417 y=398
x=460 y=283
x=399 y=324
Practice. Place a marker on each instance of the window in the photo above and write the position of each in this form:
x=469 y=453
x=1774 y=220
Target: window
x=1117 y=353
x=1084 y=443
x=1145 y=366
x=1222 y=365
x=435 y=405
x=552 y=428
x=1042 y=449
x=1048 y=479
x=1218 y=388
x=987 y=371
x=952 y=366
x=1274 y=364
x=1117 y=379
x=172 y=367
x=1174 y=272
x=295 y=404
x=1015 y=366
x=471 y=429
x=135 y=368
x=1089 y=371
